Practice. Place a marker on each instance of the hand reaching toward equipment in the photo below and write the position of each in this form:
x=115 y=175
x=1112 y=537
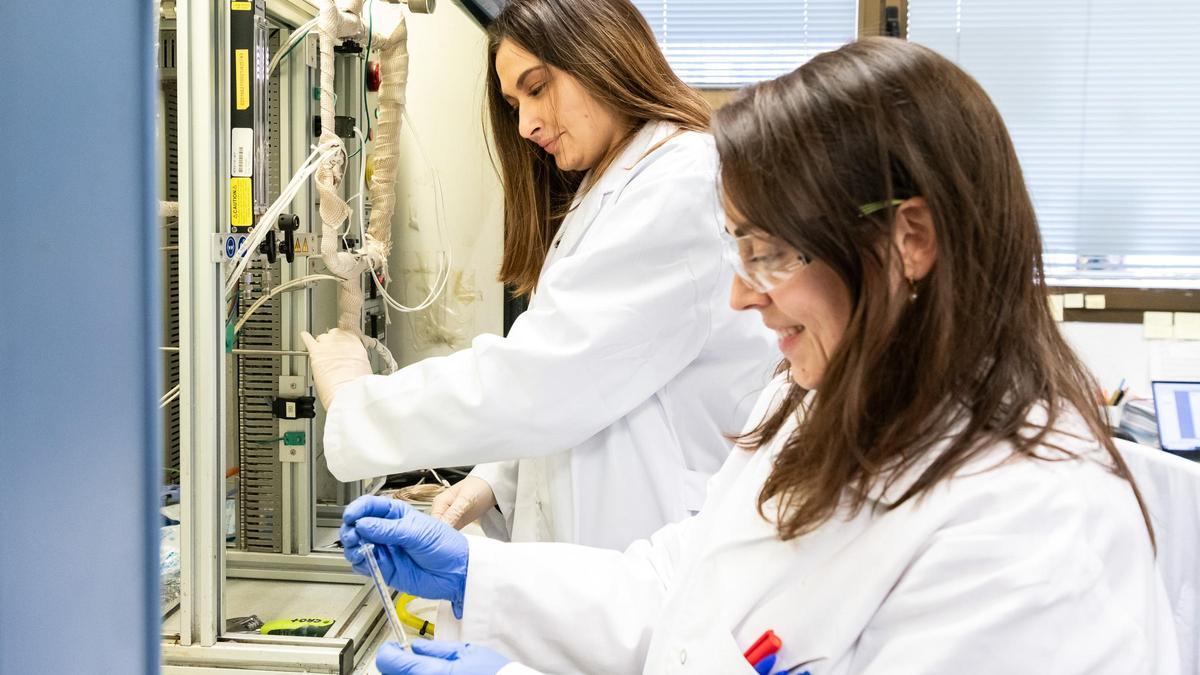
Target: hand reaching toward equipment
x=335 y=358
x=417 y=554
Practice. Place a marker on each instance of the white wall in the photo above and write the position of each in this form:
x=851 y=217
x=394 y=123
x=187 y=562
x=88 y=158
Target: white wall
x=445 y=102
x=1118 y=350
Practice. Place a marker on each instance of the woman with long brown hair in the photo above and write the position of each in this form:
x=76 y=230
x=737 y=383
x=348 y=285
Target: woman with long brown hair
x=614 y=388
x=928 y=488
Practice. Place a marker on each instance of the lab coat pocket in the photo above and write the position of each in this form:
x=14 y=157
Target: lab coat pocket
x=715 y=651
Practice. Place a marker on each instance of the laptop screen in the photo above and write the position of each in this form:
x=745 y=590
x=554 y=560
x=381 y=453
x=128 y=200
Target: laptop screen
x=1177 y=407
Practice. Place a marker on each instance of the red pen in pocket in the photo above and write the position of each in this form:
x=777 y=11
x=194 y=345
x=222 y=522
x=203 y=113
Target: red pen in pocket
x=768 y=643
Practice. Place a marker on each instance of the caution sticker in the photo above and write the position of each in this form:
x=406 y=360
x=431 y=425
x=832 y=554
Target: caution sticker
x=241 y=5
x=241 y=202
x=241 y=67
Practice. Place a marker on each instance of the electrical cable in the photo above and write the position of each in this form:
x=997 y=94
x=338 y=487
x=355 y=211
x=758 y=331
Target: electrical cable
x=231 y=308
x=266 y=222
x=422 y=493
x=438 y=478
x=294 y=39
x=294 y=284
x=242 y=255
x=170 y=396
x=362 y=184
x=443 y=275
x=440 y=202
x=367 y=63
x=268 y=442
x=307 y=168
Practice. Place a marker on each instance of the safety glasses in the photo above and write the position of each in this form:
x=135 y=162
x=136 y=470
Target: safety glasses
x=763 y=262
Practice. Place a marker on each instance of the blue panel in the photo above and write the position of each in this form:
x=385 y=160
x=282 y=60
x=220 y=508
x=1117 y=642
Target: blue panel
x=79 y=319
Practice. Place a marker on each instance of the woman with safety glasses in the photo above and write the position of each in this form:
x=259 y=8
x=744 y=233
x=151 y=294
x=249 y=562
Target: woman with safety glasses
x=929 y=487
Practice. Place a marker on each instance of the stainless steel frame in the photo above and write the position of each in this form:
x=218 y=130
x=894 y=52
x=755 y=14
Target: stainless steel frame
x=199 y=646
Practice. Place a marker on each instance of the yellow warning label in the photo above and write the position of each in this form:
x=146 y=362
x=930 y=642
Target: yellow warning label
x=241 y=5
x=241 y=202
x=241 y=67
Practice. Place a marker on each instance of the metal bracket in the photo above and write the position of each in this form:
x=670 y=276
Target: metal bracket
x=225 y=246
x=291 y=386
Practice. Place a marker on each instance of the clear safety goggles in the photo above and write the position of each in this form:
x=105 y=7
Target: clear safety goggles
x=763 y=262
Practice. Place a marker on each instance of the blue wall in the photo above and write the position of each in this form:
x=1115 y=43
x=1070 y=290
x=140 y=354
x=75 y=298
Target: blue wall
x=79 y=317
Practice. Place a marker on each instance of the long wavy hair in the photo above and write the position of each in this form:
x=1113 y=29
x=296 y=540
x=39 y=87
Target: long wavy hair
x=953 y=372
x=606 y=45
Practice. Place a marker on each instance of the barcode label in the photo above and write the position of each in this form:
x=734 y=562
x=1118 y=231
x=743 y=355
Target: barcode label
x=241 y=161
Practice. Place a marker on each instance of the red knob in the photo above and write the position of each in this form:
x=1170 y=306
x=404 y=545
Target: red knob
x=374 y=77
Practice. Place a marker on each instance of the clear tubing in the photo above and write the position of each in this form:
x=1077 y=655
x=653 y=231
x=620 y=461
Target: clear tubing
x=368 y=551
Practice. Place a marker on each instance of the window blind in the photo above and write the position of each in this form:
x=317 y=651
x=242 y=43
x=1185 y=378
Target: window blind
x=1102 y=98
x=722 y=44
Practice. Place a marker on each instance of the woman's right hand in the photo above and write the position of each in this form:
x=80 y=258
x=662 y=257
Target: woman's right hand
x=417 y=554
x=335 y=358
x=464 y=502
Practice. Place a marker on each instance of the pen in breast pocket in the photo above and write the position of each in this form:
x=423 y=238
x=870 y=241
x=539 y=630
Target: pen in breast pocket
x=767 y=644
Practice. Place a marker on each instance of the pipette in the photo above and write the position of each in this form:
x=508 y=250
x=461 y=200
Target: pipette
x=368 y=550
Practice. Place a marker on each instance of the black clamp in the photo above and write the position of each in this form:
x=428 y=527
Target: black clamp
x=269 y=247
x=343 y=125
x=301 y=407
x=272 y=247
x=288 y=224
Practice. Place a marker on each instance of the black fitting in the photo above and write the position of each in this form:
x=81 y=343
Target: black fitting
x=288 y=224
x=343 y=125
x=301 y=407
x=269 y=247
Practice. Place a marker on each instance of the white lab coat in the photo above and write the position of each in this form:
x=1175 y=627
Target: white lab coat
x=1021 y=567
x=620 y=378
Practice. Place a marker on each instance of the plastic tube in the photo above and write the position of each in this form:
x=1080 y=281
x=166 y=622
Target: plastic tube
x=368 y=551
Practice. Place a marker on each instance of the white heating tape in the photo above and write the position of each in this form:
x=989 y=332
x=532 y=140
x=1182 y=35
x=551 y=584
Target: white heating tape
x=338 y=19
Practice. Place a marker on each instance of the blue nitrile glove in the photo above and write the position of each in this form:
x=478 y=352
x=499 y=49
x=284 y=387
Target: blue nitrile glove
x=417 y=554
x=764 y=667
x=431 y=657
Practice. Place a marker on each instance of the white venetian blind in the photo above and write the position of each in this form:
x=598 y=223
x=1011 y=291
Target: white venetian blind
x=1102 y=98
x=717 y=44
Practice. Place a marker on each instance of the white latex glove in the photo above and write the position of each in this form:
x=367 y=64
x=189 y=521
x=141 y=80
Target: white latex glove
x=335 y=358
x=464 y=502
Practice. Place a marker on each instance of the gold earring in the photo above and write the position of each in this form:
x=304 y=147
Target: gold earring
x=912 y=289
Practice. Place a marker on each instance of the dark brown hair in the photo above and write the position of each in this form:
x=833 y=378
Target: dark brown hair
x=961 y=367
x=609 y=48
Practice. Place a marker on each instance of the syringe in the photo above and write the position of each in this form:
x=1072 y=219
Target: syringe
x=368 y=551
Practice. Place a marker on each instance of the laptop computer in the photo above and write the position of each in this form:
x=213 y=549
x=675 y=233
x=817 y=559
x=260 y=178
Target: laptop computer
x=1177 y=407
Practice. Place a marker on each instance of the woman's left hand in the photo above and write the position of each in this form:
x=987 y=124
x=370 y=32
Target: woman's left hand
x=431 y=657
